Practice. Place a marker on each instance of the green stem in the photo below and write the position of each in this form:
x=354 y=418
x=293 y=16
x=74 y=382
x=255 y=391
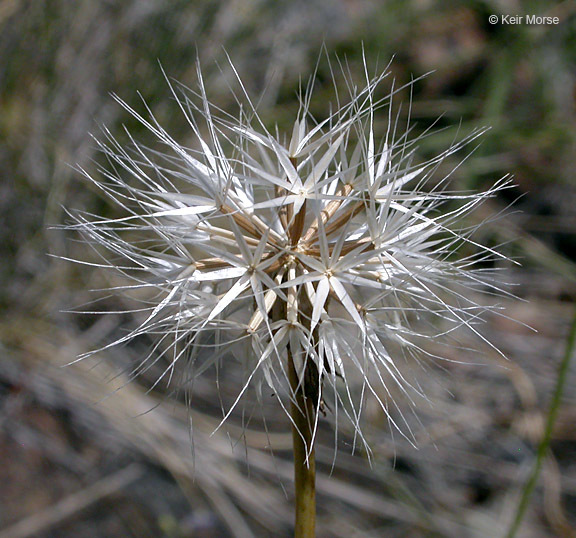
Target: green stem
x=303 y=412
x=545 y=442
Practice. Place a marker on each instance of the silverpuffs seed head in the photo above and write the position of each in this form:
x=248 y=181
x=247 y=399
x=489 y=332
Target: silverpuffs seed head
x=331 y=244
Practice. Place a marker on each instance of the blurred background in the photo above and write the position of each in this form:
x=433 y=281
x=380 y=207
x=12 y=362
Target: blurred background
x=83 y=459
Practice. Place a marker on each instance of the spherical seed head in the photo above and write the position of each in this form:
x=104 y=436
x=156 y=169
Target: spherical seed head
x=327 y=249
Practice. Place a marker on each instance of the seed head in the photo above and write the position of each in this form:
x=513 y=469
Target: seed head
x=328 y=249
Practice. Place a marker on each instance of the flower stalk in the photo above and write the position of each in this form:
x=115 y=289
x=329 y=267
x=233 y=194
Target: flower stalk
x=303 y=395
x=303 y=414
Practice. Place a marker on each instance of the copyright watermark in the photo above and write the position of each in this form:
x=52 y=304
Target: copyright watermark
x=535 y=20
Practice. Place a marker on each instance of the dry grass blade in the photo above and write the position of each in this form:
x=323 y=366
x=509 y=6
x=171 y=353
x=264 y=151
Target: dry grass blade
x=74 y=503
